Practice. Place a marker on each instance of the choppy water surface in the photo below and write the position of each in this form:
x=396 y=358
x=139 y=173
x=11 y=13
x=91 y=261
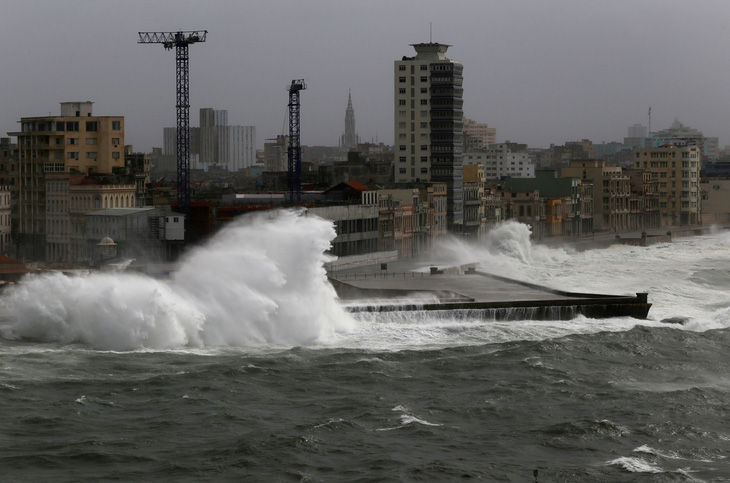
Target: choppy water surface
x=246 y=367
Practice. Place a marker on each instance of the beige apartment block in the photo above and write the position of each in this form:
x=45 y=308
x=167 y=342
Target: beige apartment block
x=715 y=201
x=478 y=135
x=676 y=169
x=76 y=141
x=611 y=192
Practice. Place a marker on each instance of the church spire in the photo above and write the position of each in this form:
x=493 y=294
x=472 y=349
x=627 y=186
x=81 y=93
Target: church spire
x=350 y=138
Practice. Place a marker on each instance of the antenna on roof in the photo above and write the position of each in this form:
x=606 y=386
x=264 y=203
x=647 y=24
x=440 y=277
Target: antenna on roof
x=430 y=32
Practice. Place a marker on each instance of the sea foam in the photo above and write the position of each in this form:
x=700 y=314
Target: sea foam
x=259 y=281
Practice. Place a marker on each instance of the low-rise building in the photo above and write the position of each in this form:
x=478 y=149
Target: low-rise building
x=612 y=190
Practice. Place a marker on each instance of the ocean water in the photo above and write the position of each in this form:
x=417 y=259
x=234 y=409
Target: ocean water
x=245 y=367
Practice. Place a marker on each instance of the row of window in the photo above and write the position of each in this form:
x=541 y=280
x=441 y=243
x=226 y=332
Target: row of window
x=402 y=67
x=89 y=155
x=423 y=102
x=403 y=171
x=402 y=90
x=402 y=79
x=67 y=126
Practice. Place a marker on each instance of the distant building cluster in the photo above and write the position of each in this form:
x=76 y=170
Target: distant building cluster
x=214 y=143
x=73 y=194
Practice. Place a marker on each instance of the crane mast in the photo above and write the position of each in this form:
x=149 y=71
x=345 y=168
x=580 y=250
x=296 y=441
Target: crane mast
x=294 y=172
x=180 y=41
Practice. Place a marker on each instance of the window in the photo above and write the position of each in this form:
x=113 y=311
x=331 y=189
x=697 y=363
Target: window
x=401 y=102
x=424 y=67
x=424 y=90
x=72 y=155
x=115 y=154
x=424 y=170
x=91 y=155
x=60 y=126
x=402 y=67
x=72 y=126
x=92 y=126
x=424 y=102
x=116 y=125
x=402 y=147
x=90 y=140
x=402 y=78
x=424 y=78
x=401 y=113
x=115 y=140
x=402 y=125
x=401 y=90
x=402 y=159
x=72 y=140
x=424 y=125
x=402 y=170
x=424 y=159
x=424 y=113
x=424 y=147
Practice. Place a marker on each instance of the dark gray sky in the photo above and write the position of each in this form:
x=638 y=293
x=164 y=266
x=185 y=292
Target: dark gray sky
x=539 y=71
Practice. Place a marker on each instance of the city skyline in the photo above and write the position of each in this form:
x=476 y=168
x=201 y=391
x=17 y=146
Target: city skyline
x=538 y=72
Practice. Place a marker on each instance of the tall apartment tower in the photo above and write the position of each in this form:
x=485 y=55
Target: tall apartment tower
x=349 y=139
x=429 y=124
x=242 y=147
x=74 y=142
x=213 y=137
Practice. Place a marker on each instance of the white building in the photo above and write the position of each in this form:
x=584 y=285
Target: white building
x=500 y=161
x=213 y=137
x=428 y=123
x=241 y=147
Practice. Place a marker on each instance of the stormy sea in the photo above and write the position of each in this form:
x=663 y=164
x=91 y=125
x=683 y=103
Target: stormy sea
x=244 y=366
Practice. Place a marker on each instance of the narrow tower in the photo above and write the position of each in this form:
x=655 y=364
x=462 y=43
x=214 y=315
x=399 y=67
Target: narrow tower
x=349 y=140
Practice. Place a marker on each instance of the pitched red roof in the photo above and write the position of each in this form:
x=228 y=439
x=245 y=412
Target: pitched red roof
x=349 y=184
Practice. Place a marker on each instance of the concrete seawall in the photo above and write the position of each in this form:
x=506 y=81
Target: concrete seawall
x=471 y=293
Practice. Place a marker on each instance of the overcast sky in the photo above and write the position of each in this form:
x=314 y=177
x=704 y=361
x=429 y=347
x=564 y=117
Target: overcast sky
x=539 y=71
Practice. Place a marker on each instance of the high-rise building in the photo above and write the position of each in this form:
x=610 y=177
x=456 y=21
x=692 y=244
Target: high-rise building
x=349 y=139
x=638 y=131
x=213 y=137
x=241 y=147
x=216 y=143
x=169 y=141
x=428 y=124
x=74 y=142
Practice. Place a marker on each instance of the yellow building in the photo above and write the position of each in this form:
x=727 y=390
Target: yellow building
x=612 y=192
x=676 y=169
x=74 y=142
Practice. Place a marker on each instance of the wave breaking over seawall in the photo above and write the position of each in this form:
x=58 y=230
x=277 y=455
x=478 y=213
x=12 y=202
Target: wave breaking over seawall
x=260 y=281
